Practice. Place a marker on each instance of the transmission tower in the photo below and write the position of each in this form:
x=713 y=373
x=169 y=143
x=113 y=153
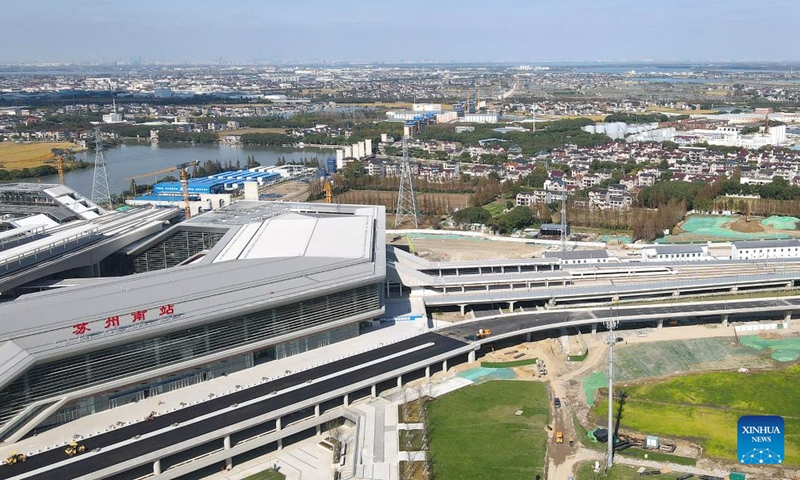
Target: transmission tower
x=406 y=198
x=101 y=188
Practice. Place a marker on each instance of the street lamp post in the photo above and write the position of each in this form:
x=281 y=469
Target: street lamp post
x=611 y=340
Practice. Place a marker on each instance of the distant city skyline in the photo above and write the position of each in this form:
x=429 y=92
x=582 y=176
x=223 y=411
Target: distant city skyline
x=413 y=31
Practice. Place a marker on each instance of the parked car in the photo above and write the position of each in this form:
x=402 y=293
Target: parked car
x=557 y=402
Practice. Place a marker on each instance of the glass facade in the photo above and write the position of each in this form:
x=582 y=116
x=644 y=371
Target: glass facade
x=62 y=376
x=176 y=249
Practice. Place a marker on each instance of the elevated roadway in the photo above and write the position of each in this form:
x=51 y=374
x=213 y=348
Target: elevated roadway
x=157 y=438
x=203 y=434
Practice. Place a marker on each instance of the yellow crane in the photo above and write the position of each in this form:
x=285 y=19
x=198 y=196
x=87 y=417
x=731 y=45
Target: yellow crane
x=183 y=171
x=59 y=154
x=328 y=188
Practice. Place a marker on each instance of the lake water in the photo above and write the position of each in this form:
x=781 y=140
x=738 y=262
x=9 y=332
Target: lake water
x=129 y=160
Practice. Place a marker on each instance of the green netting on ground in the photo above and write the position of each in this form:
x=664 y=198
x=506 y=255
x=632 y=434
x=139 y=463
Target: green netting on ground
x=783 y=349
x=781 y=223
x=592 y=383
x=658 y=359
x=714 y=226
x=626 y=239
x=481 y=374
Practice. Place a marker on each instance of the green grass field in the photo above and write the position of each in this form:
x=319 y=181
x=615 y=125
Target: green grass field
x=475 y=434
x=705 y=408
x=657 y=456
x=510 y=364
x=267 y=475
x=618 y=472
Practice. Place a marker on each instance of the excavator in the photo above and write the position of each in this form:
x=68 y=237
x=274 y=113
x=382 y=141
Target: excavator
x=74 y=448
x=16 y=458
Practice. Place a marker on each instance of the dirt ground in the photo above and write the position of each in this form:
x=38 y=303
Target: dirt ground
x=29 y=154
x=291 y=191
x=753 y=226
x=437 y=250
x=251 y=130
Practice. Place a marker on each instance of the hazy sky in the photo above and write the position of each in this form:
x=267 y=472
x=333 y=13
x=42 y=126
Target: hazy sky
x=242 y=31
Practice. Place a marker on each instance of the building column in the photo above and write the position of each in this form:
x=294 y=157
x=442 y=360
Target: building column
x=725 y=320
x=346 y=399
x=660 y=323
x=428 y=371
x=734 y=289
x=528 y=337
x=787 y=318
x=374 y=391
x=444 y=366
x=280 y=444
x=319 y=430
x=278 y=424
x=471 y=356
x=399 y=381
x=594 y=329
x=227 y=445
x=316 y=410
x=157 y=467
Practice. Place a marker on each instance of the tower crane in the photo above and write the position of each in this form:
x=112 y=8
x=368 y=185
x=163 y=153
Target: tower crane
x=328 y=188
x=59 y=155
x=183 y=171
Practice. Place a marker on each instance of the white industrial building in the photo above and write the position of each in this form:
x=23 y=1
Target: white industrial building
x=765 y=249
x=480 y=118
x=426 y=107
x=581 y=257
x=730 y=136
x=617 y=130
x=675 y=253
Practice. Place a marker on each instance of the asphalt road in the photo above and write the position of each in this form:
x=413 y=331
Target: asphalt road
x=233 y=415
x=508 y=324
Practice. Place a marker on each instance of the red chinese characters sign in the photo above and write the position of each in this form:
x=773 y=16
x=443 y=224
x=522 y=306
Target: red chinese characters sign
x=116 y=321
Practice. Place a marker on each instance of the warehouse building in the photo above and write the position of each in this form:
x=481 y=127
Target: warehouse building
x=765 y=249
x=224 y=291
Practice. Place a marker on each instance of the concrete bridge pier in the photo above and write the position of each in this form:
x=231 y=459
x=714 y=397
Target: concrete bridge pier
x=594 y=329
x=346 y=399
x=399 y=381
x=227 y=446
x=725 y=320
x=444 y=366
x=471 y=356
x=463 y=307
x=316 y=410
x=511 y=305
x=734 y=289
x=788 y=318
x=374 y=391
x=157 y=467
x=660 y=323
